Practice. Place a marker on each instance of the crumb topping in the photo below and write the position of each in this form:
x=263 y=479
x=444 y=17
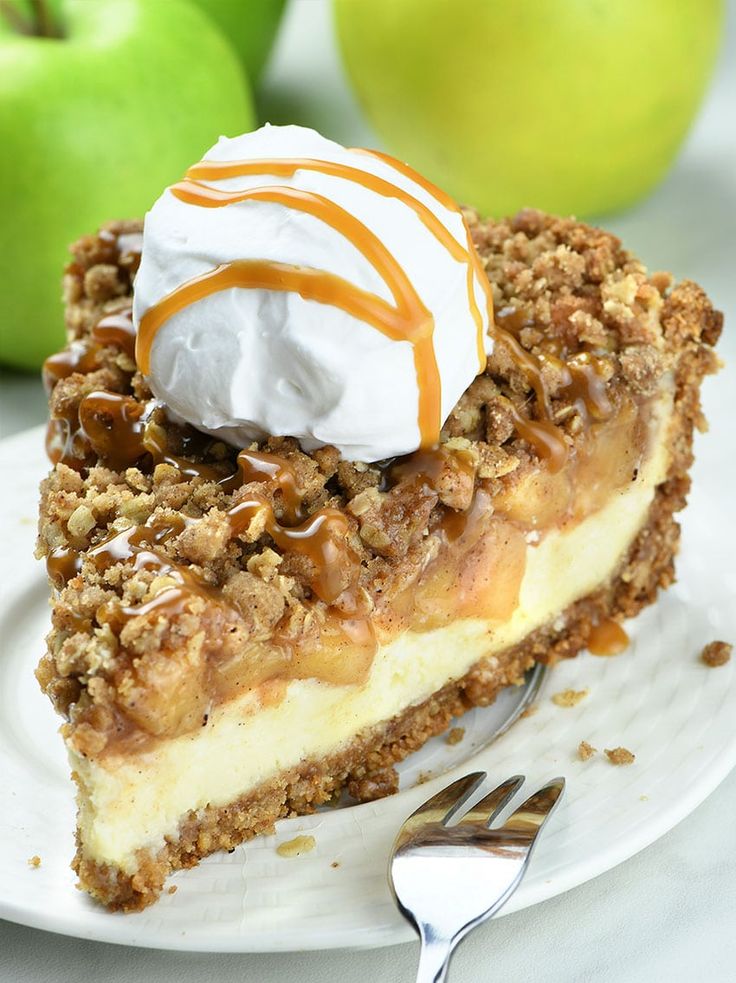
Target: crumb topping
x=568 y=294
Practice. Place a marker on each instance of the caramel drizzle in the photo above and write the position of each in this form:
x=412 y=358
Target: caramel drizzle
x=115 y=426
x=66 y=441
x=116 y=330
x=543 y=434
x=79 y=356
x=119 y=429
x=586 y=388
x=322 y=538
x=63 y=564
x=273 y=470
x=408 y=321
x=546 y=439
x=608 y=638
x=427 y=466
x=582 y=385
x=475 y=264
x=133 y=543
x=188 y=190
x=138 y=543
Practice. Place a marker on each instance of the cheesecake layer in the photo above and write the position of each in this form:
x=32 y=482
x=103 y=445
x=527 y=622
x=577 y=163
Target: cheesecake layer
x=134 y=801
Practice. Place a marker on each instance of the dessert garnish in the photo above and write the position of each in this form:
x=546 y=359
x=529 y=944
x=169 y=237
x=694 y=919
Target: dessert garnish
x=290 y=286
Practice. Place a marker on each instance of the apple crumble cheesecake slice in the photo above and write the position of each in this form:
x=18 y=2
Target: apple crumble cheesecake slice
x=237 y=635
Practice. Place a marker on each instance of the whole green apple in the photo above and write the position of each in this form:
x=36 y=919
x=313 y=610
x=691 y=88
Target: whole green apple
x=573 y=106
x=97 y=117
x=249 y=25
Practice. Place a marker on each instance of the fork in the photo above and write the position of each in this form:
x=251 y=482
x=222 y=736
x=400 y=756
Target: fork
x=448 y=879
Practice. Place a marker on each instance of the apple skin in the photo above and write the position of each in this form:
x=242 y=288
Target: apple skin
x=573 y=106
x=249 y=25
x=94 y=126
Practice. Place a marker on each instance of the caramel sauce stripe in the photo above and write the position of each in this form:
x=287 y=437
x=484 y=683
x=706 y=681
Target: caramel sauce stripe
x=287 y=167
x=473 y=259
x=322 y=538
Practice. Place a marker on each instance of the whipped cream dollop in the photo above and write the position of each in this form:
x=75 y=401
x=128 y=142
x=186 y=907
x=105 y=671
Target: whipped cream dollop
x=339 y=302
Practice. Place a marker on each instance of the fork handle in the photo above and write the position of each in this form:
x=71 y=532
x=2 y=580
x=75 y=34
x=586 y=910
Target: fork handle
x=434 y=959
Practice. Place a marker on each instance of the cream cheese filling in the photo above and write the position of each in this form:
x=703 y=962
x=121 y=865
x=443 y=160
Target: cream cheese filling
x=133 y=802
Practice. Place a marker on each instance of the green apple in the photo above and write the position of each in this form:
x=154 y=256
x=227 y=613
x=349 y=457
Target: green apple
x=573 y=106
x=97 y=117
x=250 y=26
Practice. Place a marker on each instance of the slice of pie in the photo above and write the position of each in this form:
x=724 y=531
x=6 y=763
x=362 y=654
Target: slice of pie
x=211 y=673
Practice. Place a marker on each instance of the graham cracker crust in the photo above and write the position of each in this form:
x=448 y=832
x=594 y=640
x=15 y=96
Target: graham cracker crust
x=366 y=766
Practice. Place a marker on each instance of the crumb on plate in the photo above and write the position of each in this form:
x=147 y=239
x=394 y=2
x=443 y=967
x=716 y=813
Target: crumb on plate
x=296 y=847
x=620 y=756
x=569 y=697
x=586 y=750
x=455 y=735
x=716 y=654
x=34 y=861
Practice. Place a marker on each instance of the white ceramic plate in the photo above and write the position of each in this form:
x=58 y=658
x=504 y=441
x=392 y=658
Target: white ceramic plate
x=658 y=700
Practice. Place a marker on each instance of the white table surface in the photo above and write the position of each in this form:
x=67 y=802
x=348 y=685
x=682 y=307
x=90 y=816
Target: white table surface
x=668 y=913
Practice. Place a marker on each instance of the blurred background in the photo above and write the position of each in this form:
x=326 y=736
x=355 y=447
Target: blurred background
x=621 y=113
